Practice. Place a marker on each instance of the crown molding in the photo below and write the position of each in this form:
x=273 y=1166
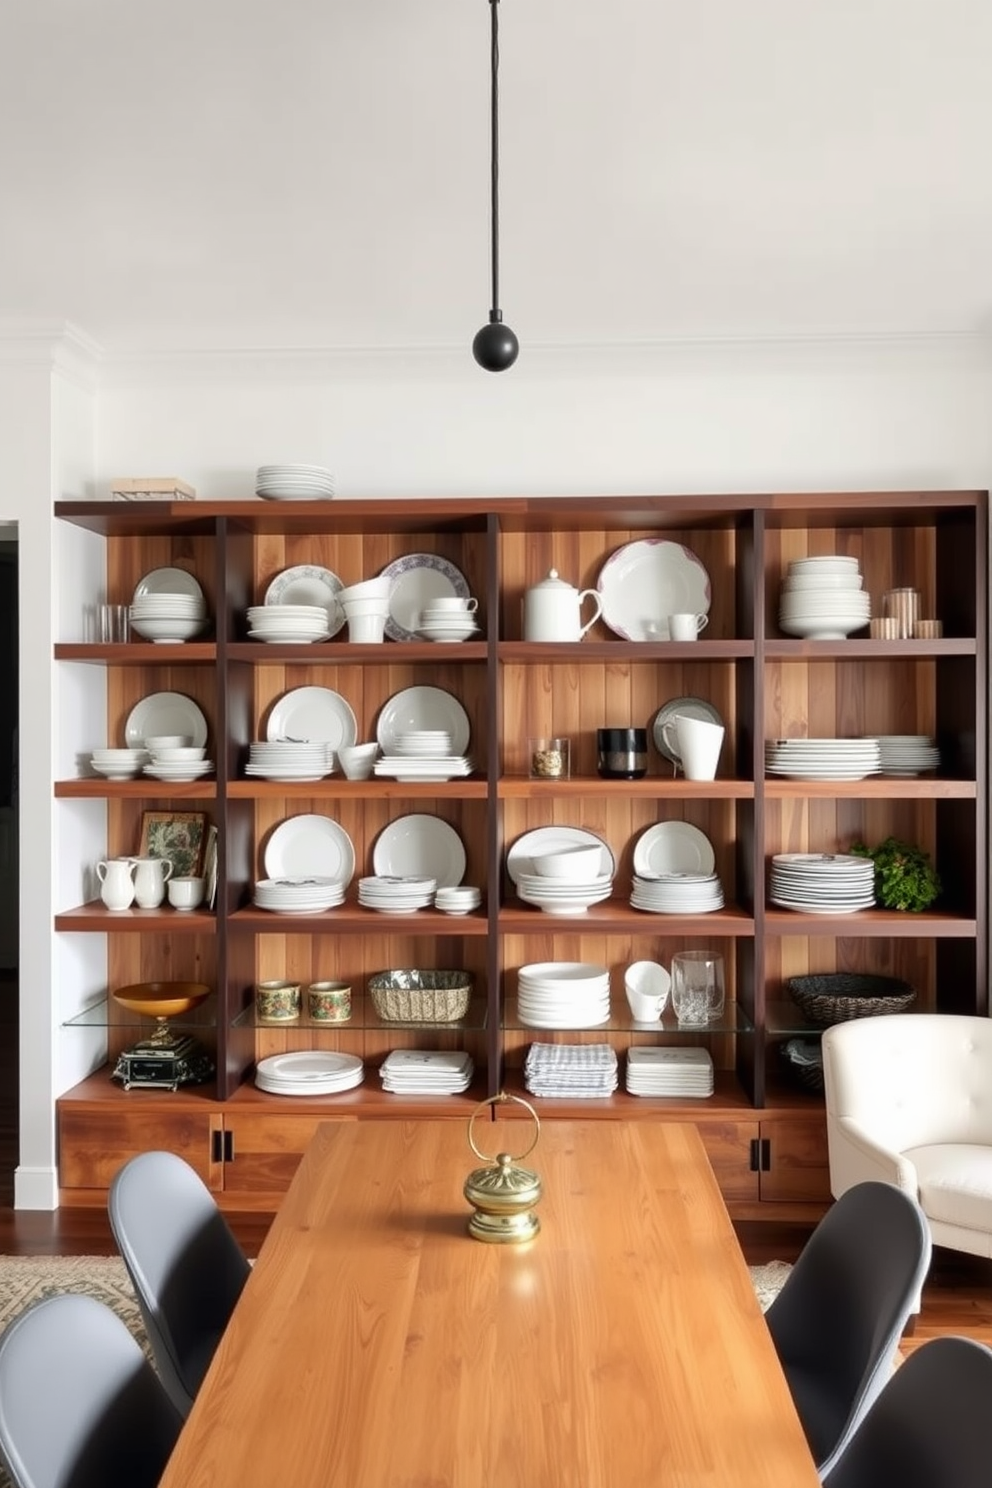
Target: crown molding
x=55 y=345
x=806 y=353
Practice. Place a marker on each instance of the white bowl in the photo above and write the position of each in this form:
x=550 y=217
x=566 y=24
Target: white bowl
x=155 y=742
x=367 y=589
x=180 y=755
x=576 y=864
x=358 y=760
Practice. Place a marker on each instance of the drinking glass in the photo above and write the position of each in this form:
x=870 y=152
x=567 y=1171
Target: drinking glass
x=697 y=991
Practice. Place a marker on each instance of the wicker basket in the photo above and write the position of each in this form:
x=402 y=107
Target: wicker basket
x=421 y=996
x=808 y=1073
x=835 y=997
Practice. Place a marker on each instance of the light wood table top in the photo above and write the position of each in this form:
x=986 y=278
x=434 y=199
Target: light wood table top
x=377 y=1345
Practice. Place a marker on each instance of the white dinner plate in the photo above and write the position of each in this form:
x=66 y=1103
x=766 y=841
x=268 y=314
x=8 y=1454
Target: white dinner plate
x=309 y=584
x=420 y=846
x=308 y=1064
x=689 y=707
x=531 y=845
x=418 y=708
x=315 y=715
x=310 y=845
x=418 y=579
x=644 y=582
x=168 y=581
x=673 y=847
x=164 y=713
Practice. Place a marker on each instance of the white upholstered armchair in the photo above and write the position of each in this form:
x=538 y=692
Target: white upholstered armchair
x=909 y=1101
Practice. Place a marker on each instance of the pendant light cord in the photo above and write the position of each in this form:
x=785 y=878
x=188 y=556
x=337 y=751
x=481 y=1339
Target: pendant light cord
x=494 y=154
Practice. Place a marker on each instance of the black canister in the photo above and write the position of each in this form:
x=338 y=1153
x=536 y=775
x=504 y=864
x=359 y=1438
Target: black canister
x=622 y=753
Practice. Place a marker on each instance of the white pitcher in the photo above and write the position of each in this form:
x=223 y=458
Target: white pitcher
x=150 y=878
x=553 y=610
x=116 y=877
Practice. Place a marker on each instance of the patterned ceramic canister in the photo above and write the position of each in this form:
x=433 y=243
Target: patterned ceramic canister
x=277 y=1002
x=329 y=1002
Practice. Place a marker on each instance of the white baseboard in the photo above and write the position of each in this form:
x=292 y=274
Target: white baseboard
x=36 y=1188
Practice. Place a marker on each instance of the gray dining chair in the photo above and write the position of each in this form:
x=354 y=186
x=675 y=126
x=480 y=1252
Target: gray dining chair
x=80 y=1404
x=845 y=1304
x=931 y=1426
x=185 y=1265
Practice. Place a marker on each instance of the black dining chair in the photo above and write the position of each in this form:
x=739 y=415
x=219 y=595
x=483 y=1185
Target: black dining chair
x=930 y=1427
x=838 y=1319
x=185 y=1265
x=80 y=1404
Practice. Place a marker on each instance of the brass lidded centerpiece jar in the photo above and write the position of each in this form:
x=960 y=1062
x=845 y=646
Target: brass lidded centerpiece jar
x=503 y=1194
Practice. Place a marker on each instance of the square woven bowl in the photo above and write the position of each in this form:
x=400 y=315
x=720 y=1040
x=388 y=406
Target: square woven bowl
x=836 y=997
x=421 y=996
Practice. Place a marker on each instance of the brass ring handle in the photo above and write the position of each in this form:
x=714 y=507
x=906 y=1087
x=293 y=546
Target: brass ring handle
x=500 y=1099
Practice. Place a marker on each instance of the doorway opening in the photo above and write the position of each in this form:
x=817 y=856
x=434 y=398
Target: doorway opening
x=9 y=875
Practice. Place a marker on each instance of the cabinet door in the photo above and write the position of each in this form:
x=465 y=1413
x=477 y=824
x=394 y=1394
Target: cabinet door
x=94 y=1143
x=262 y=1151
x=729 y=1148
x=797 y=1170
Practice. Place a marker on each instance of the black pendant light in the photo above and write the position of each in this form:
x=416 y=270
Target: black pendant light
x=495 y=347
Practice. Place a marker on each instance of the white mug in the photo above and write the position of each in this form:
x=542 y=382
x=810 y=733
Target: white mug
x=696 y=744
x=185 y=892
x=365 y=628
x=686 y=627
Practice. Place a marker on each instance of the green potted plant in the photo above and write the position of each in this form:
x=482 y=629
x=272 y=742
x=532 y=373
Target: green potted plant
x=904 y=876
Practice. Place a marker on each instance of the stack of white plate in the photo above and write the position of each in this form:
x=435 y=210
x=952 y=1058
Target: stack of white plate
x=563 y=896
x=299 y=896
x=822 y=599
x=168 y=606
x=297 y=624
x=908 y=754
x=460 y=899
x=427 y=1071
x=396 y=894
x=822 y=883
x=284 y=759
x=309 y=1072
x=573 y=1070
x=119 y=764
x=823 y=759
x=423 y=754
x=563 y=994
x=294 y=483
x=180 y=763
x=421 y=743
x=677 y=893
x=669 y=1071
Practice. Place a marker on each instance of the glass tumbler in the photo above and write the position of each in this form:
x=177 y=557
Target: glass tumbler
x=697 y=990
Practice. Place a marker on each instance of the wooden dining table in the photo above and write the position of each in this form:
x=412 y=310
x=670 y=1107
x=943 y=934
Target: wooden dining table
x=378 y=1345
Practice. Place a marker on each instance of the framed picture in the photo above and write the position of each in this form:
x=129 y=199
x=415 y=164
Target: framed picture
x=176 y=835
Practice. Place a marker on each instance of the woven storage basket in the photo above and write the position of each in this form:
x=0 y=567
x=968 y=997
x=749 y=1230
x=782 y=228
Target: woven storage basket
x=810 y=1076
x=421 y=996
x=835 y=997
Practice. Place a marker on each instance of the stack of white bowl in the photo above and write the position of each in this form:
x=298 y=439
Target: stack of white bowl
x=285 y=759
x=448 y=619
x=458 y=899
x=822 y=598
x=294 y=483
x=293 y=623
x=566 y=881
x=298 y=896
x=563 y=994
x=395 y=894
x=168 y=618
x=178 y=762
x=119 y=764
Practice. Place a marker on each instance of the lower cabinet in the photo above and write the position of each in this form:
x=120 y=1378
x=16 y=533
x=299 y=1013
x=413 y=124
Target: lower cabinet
x=769 y=1166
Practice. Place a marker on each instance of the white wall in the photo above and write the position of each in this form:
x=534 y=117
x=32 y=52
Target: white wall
x=686 y=419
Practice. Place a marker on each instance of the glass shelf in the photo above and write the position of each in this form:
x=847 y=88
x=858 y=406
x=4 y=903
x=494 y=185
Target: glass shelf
x=106 y=1014
x=364 y=1016
x=734 y=1020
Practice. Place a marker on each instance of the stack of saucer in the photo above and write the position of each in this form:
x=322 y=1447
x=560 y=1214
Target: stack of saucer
x=119 y=764
x=299 y=895
x=447 y=623
x=167 y=618
x=908 y=754
x=294 y=483
x=563 y=994
x=285 y=759
x=822 y=883
x=677 y=893
x=584 y=1071
x=179 y=763
x=669 y=1071
x=459 y=899
x=822 y=598
x=297 y=624
x=823 y=759
x=395 y=894
x=427 y=1071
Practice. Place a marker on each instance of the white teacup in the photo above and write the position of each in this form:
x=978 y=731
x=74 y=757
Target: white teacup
x=378 y=588
x=365 y=628
x=646 y=984
x=453 y=604
x=185 y=892
x=685 y=626
x=696 y=743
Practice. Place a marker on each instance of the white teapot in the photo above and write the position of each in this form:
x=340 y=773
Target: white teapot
x=116 y=877
x=553 y=610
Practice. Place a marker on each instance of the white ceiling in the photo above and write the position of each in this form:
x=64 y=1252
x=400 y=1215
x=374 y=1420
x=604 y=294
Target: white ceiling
x=315 y=173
